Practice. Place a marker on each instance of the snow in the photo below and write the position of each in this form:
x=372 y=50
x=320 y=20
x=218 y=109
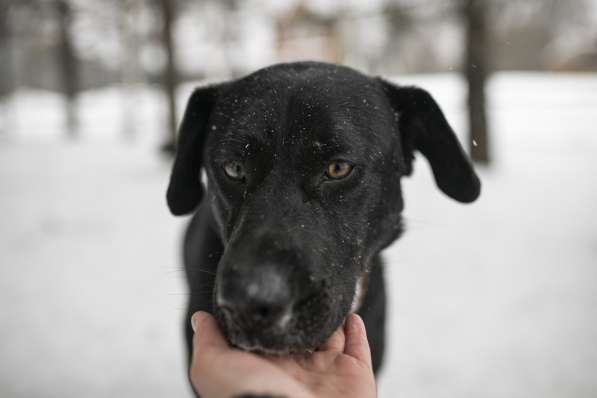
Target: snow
x=492 y=299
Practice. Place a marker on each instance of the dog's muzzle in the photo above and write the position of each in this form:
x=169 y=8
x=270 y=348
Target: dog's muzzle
x=262 y=296
x=253 y=303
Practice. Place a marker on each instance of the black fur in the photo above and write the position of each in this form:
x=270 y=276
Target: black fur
x=288 y=239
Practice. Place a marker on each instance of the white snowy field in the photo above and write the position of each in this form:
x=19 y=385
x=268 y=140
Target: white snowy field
x=493 y=299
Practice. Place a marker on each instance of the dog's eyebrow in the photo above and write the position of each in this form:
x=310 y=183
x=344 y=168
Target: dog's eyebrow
x=334 y=148
x=238 y=143
x=327 y=147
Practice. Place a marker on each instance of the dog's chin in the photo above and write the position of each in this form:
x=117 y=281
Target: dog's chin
x=275 y=340
x=265 y=347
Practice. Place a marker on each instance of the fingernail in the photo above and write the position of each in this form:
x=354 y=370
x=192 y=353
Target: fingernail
x=194 y=322
x=357 y=324
x=196 y=319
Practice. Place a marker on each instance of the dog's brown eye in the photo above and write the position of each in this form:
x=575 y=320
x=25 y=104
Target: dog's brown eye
x=235 y=170
x=338 y=169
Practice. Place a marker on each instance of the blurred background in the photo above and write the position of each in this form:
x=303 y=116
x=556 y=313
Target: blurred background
x=502 y=304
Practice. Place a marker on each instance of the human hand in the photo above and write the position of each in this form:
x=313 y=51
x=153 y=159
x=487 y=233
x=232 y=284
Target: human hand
x=341 y=368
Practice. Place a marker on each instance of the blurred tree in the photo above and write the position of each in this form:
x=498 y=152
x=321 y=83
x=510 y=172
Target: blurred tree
x=401 y=23
x=231 y=35
x=555 y=30
x=304 y=34
x=167 y=10
x=6 y=63
x=68 y=65
x=130 y=72
x=476 y=68
x=5 y=51
x=6 y=75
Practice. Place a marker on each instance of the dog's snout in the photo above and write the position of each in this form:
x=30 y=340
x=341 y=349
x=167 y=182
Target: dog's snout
x=265 y=303
x=261 y=296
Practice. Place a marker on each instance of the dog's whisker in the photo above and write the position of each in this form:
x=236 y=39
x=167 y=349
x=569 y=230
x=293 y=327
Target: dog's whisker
x=173 y=271
x=179 y=269
x=205 y=271
x=201 y=291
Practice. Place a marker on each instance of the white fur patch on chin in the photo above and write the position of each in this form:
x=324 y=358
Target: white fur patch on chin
x=359 y=291
x=261 y=349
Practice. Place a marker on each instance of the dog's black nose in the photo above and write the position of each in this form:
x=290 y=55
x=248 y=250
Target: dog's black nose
x=261 y=296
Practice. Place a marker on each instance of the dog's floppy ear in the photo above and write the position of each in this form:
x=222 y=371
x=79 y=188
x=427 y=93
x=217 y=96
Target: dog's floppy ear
x=186 y=190
x=423 y=127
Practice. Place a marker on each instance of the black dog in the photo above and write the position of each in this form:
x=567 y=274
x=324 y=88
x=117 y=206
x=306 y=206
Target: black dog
x=303 y=164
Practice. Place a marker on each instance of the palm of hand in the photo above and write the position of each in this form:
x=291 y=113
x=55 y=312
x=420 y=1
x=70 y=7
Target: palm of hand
x=341 y=368
x=329 y=374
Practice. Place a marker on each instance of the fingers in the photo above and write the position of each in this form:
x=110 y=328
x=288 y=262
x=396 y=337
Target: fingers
x=357 y=345
x=219 y=371
x=336 y=341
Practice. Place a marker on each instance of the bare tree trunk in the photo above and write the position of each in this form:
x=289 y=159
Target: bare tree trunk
x=7 y=77
x=476 y=72
x=170 y=75
x=130 y=72
x=69 y=68
x=5 y=52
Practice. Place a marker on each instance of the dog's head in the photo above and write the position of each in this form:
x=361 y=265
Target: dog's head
x=303 y=163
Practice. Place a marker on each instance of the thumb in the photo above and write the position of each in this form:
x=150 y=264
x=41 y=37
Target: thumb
x=208 y=343
x=357 y=345
x=207 y=335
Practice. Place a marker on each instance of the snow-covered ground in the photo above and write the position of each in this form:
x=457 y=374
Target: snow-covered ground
x=493 y=299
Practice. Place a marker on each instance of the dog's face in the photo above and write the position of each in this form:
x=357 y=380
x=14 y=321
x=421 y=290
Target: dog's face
x=304 y=164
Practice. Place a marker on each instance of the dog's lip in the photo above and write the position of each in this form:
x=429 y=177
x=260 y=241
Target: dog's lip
x=270 y=339
x=277 y=329
x=263 y=340
x=297 y=331
x=256 y=347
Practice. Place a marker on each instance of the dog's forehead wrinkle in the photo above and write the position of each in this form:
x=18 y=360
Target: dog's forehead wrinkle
x=326 y=119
